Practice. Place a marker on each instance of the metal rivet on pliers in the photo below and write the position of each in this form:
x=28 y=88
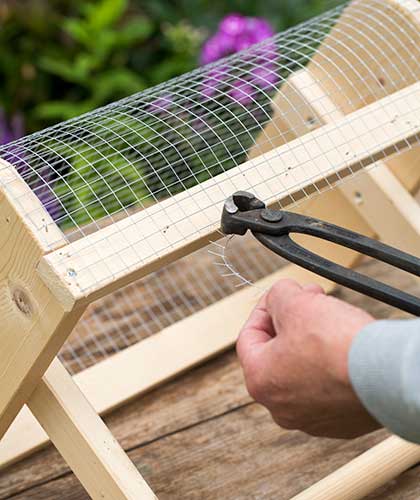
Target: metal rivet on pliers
x=271 y=215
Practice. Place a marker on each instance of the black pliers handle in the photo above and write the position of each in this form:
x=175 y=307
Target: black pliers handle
x=243 y=212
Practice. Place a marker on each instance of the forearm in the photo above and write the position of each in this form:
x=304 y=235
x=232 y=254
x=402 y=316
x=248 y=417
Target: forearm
x=384 y=365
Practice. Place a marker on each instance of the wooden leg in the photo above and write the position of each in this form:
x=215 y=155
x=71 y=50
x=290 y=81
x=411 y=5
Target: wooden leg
x=34 y=325
x=83 y=439
x=365 y=473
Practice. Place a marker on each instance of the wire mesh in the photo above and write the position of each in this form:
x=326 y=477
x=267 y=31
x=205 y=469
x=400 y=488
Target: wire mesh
x=130 y=154
x=93 y=171
x=163 y=298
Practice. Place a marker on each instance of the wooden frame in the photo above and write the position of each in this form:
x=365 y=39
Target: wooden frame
x=41 y=300
x=36 y=326
x=170 y=237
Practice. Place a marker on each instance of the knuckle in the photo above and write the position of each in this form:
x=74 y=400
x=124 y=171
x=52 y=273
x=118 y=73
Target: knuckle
x=255 y=385
x=304 y=302
x=281 y=285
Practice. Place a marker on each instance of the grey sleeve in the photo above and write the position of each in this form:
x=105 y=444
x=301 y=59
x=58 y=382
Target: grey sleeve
x=384 y=365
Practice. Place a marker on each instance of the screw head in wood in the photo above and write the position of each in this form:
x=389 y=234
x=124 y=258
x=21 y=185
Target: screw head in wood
x=71 y=273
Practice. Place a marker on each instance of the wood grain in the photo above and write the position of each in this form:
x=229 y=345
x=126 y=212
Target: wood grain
x=377 y=194
x=366 y=473
x=83 y=439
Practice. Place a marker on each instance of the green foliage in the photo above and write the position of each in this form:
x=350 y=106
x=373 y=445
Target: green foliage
x=59 y=59
x=88 y=189
x=98 y=38
x=101 y=180
x=204 y=14
x=182 y=45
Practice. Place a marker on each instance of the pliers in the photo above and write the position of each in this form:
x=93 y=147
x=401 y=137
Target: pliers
x=243 y=211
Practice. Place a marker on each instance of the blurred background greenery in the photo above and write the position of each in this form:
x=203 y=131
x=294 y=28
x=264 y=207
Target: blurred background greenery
x=60 y=58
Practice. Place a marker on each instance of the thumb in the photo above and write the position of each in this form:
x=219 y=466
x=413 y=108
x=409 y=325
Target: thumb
x=256 y=332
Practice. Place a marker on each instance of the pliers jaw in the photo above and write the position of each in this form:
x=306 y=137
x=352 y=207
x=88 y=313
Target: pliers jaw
x=243 y=211
x=235 y=206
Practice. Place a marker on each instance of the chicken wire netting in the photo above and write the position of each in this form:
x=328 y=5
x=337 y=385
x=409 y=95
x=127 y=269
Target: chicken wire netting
x=109 y=164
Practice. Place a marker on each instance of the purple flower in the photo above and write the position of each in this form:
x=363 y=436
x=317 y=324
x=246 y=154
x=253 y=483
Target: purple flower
x=162 y=103
x=242 y=92
x=213 y=80
x=235 y=33
x=216 y=47
x=44 y=189
x=42 y=181
x=233 y=24
x=10 y=130
x=259 y=28
x=264 y=77
x=244 y=41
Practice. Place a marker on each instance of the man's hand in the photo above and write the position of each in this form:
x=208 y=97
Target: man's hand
x=294 y=350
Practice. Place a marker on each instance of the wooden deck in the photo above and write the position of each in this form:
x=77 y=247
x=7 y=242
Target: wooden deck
x=201 y=437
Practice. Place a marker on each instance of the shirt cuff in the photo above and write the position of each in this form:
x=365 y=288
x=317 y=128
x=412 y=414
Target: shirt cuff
x=384 y=368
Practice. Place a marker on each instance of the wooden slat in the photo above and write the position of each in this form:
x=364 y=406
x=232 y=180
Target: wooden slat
x=129 y=249
x=372 y=51
x=106 y=391
x=196 y=398
x=206 y=464
x=366 y=473
x=34 y=323
x=389 y=208
x=25 y=437
x=83 y=439
x=35 y=326
x=397 y=216
x=71 y=268
x=190 y=439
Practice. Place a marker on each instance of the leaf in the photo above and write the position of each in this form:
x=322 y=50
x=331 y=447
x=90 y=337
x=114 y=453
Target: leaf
x=61 y=110
x=62 y=68
x=137 y=30
x=83 y=65
x=77 y=29
x=115 y=84
x=103 y=44
x=105 y=13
